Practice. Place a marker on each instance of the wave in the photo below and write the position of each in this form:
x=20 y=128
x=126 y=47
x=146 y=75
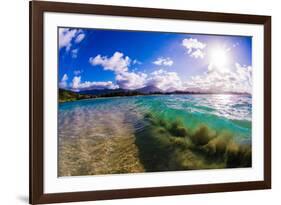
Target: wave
x=170 y=146
x=154 y=133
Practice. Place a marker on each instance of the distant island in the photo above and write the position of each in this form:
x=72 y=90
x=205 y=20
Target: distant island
x=70 y=95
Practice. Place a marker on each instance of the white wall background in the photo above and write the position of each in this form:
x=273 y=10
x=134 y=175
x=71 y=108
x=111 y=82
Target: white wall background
x=14 y=101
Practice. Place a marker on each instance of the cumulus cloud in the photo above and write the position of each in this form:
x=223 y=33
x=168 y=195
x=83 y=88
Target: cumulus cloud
x=65 y=37
x=163 y=61
x=235 y=79
x=77 y=85
x=117 y=63
x=63 y=81
x=68 y=38
x=244 y=74
x=131 y=80
x=167 y=81
x=197 y=54
x=194 y=47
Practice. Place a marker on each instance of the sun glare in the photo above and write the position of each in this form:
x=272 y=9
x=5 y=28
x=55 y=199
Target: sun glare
x=219 y=58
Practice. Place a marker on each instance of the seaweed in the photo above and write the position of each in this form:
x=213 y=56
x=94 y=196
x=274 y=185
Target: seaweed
x=168 y=145
x=162 y=145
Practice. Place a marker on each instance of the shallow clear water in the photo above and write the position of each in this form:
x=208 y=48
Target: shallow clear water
x=97 y=136
x=220 y=112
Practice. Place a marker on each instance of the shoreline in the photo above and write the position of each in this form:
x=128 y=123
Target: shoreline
x=168 y=94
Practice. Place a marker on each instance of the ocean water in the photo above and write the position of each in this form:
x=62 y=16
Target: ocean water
x=95 y=134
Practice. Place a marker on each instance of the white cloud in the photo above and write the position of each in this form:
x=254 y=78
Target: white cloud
x=227 y=78
x=244 y=74
x=136 y=62
x=68 y=37
x=235 y=79
x=74 y=53
x=65 y=37
x=77 y=72
x=76 y=82
x=163 y=61
x=79 y=38
x=117 y=63
x=194 y=47
x=167 y=81
x=131 y=80
x=77 y=85
x=64 y=77
x=63 y=82
x=197 y=54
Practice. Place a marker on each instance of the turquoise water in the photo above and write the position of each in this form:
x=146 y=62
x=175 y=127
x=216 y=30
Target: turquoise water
x=154 y=133
x=101 y=117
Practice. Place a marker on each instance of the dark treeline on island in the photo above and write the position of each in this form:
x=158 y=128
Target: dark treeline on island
x=67 y=95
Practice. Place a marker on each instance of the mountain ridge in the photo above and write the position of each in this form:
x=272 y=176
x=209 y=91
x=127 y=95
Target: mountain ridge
x=70 y=95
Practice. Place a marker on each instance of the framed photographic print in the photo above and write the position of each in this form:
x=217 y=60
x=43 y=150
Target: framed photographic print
x=137 y=102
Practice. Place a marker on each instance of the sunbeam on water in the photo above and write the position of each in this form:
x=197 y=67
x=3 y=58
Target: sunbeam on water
x=154 y=133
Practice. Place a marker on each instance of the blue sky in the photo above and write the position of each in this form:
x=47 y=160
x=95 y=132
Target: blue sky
x=98 y=59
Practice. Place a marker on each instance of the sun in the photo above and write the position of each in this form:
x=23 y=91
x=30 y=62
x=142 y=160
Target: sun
x=219 y=58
